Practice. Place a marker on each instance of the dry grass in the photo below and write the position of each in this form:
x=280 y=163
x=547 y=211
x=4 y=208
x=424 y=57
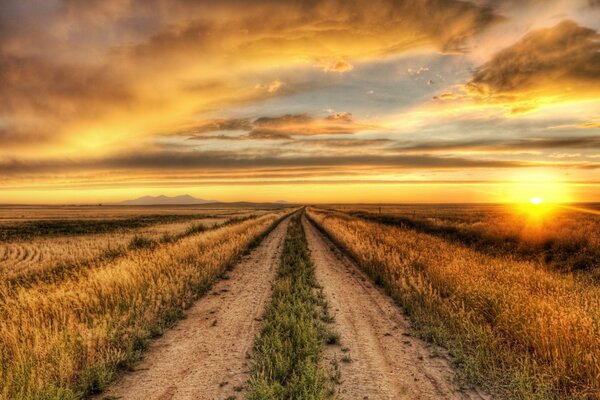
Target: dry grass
x=24 y=257
x=10 y=214
x=564 y=239
x=519 y=329
x=42 y=254
x=63 y=340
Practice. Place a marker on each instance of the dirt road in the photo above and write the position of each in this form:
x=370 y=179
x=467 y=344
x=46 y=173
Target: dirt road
x=206 y=355
x=377 y=357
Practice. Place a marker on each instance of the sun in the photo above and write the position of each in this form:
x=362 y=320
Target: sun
x=537 y=209
x=536 y=200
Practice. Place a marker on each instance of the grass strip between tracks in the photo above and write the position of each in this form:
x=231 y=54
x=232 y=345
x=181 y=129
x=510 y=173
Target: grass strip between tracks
x=288 y=351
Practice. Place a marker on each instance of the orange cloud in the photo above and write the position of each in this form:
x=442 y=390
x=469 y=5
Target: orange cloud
x=102 y=74
x=277 y=128
x=338 y=66
x=553 y=64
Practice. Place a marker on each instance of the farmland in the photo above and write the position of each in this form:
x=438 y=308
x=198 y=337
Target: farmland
x=65 y=334
x=333 y=301
x=472 y=279
x=563 y=238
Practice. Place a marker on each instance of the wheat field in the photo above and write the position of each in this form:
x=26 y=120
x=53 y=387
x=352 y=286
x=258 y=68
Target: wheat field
x=61 y=339
x=515 y=326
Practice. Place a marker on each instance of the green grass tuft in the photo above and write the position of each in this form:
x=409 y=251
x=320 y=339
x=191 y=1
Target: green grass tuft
x=288 y=351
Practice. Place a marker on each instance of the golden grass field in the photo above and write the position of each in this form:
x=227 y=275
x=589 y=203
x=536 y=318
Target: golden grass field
x=512 y=294
x=66 y=334
x=518 y=325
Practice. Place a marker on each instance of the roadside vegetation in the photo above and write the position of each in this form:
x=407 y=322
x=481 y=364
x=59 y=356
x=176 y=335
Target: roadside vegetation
x=512 y=326
x=288 y=351
x=69 y=338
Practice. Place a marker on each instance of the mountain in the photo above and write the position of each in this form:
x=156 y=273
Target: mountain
x=164 y=200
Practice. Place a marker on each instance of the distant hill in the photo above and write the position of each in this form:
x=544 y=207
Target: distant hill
x=164 y=200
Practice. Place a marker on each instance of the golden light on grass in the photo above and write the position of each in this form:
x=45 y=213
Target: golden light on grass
x=68 y=330
x=529 y=324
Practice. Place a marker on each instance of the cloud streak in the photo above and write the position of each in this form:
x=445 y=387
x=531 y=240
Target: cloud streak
x=499 y=145
x=205 y=160
x=282 y=127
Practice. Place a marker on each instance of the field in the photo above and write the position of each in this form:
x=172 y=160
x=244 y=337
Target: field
x=560 y=237
x=36 y=241
x=278 y=302
x=513 y=296
x=85 y=304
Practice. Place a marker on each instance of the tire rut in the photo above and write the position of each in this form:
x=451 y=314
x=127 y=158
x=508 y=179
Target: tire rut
x=378 y=357
x=206 y=355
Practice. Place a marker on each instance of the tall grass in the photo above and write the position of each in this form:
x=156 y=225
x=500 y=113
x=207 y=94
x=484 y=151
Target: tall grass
x=288 y=350
x=562 y=239
x=520 y=330
x=64 y=340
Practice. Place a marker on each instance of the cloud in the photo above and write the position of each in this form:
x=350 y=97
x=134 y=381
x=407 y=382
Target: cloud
x=341 y=117
x=108 y=77
x=502 y=145
x=40 y=88
x=319 y=29
x=580 y=125
x=344 y=143
x=446 y=96
x=277 y=128
x=218 y=125
x=562 y=61
x=272 y=87
x=17 y=137
x=338 y=66
x=119 y=67
x=221 y=161
x=589 y=125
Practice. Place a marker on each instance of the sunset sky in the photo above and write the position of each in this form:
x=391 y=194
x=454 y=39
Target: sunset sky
x=312 y=101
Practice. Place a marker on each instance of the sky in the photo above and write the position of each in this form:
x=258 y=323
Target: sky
x=307 y=101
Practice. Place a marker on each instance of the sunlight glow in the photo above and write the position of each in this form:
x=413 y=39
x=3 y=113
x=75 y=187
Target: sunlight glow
x=536 y=200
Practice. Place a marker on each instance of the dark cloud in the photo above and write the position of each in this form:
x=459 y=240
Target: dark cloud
x=284 y=120
x=585 y=142
x=267 y=134
x=37 y=88
x=202 y=160
x=13 y=137
x=218 y=125
x=546 y=59
x=344 y=143
x=276 y=128
x=322 y=26
x=341 y=117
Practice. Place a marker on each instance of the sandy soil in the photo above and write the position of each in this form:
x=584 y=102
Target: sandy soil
x=206 y=355
x=386 y=362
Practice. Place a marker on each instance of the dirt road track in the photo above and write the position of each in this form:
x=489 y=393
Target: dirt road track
x=386 y=362
x=205 y=355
